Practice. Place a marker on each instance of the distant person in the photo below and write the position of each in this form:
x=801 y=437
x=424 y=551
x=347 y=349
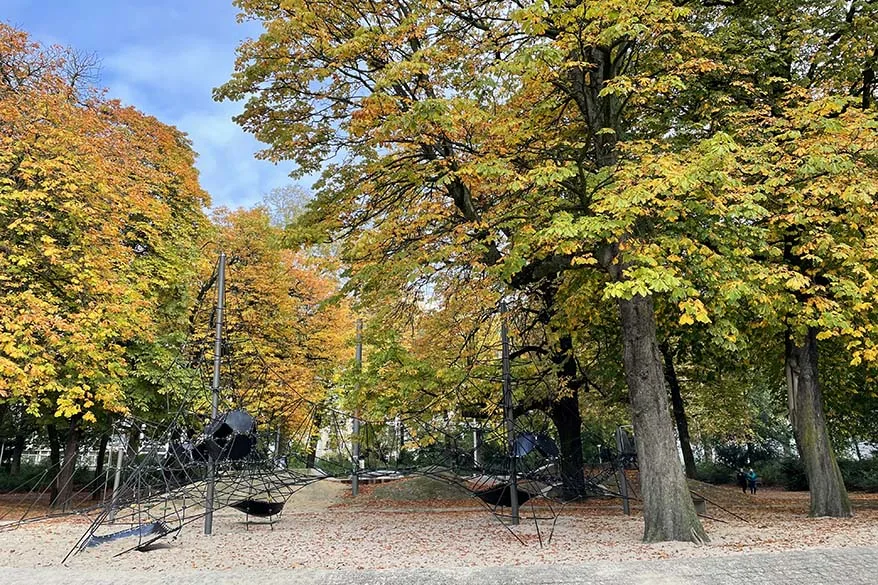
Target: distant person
x=742 y=480
x=751 y=480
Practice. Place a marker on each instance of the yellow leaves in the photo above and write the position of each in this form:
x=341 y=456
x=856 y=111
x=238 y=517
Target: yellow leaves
x=66 y=408
x=289 y=316
x=797 y=281
x=868 y=355
x=693 y=310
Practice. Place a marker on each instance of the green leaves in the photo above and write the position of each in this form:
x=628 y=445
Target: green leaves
x=574 y=154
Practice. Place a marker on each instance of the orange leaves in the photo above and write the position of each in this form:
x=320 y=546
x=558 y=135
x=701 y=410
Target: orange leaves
x=100 y=207
x=283 y=313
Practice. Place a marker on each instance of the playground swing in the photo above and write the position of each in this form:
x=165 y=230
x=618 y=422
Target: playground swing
x=260 y=509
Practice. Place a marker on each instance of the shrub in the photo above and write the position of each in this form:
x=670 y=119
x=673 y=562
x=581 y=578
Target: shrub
x=36 y=477
x=29 y=477
x=860 y=476
x=736 y=455
x=787 y=472
x=716 y=473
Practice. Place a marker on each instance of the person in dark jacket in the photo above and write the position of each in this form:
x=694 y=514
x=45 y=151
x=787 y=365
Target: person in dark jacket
x=742 y=480
x=751 y=480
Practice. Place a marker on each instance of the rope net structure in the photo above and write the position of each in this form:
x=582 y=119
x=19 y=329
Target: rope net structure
x=262 y=448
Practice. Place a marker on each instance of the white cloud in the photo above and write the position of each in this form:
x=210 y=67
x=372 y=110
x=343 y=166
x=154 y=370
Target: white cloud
x=173 y=81
x=179 y=65
x=165 y=57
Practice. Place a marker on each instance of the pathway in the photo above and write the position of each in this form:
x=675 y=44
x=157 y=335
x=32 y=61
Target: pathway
x=850 y=566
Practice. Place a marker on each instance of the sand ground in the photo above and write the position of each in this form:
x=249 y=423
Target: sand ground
x=323 y=528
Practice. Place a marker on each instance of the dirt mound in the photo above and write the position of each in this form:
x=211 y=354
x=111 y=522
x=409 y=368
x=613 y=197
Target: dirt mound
x=418 y=488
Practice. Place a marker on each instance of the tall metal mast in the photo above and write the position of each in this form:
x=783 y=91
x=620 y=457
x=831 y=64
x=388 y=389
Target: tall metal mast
x=215 y=387
x=510 y=420
x=355 y=447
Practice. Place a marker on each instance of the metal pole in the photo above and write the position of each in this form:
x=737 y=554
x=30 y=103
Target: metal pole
x=215 y=387
x=355 y=447
x=107 y=476
x=623 y=481
x=477 y=448
x=117 y=479
x=510 y=420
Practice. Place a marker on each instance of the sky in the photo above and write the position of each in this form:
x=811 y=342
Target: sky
x=164 y=57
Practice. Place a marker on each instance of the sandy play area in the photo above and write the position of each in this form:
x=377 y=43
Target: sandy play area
x=323 y=528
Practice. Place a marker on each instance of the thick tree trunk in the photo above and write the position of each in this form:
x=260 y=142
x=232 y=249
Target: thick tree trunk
x=565 y=415
x=567 y=418
x=679 y=411
x=65 y=477
x=668 y=511
x=55 y=462
x=828 y=494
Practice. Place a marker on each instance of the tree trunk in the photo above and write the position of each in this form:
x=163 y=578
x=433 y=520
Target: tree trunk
x=55 y=462
x=65 y=477
x=668 y=511
x=4 y=445
x=18 y=445
x=565 y=415
x=99 y=465
x=311 y=458
x=102 y=452
x=825 y=482
x=679 y=411
x=400 y=452
x=133 y=442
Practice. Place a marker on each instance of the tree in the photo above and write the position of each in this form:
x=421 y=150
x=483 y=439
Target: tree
x=286 y=332
x=102 y=214
x=809 y=149
x=285 y=203
x=337 y=70
x=472 y=132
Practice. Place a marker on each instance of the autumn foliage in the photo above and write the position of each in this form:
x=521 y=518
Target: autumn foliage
x=105 y=265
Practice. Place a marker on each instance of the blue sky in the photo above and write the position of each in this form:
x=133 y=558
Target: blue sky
x=164 y=57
